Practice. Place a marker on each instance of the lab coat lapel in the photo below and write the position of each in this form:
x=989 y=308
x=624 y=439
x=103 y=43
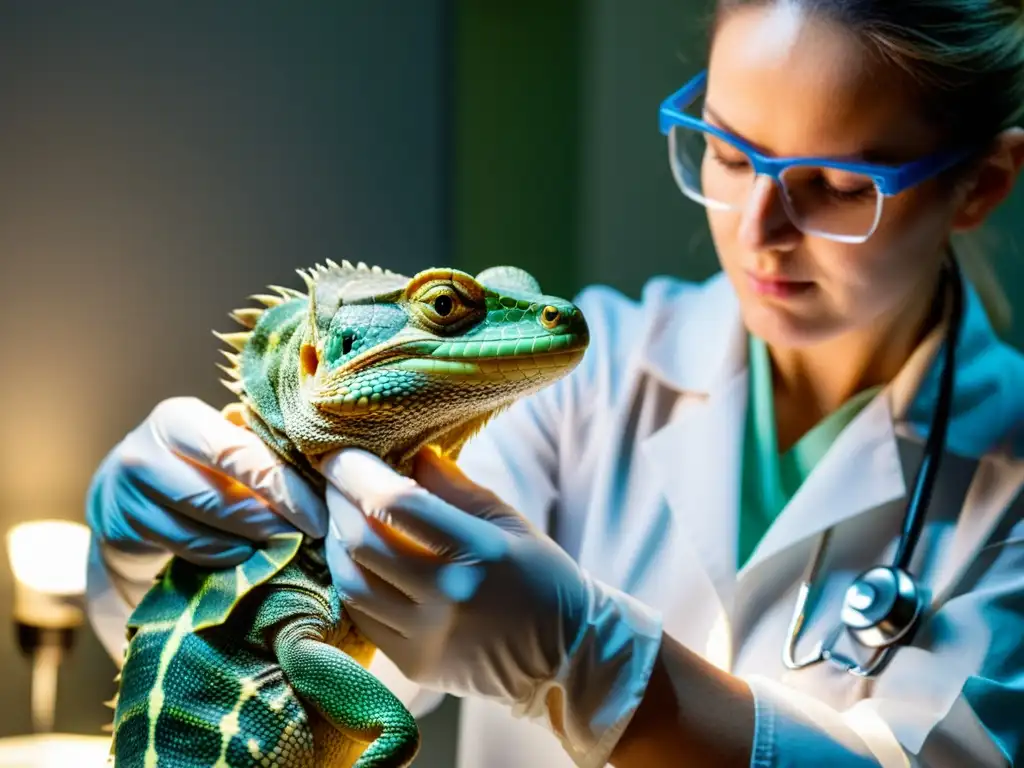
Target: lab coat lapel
x=696 y=458
x=861 y=471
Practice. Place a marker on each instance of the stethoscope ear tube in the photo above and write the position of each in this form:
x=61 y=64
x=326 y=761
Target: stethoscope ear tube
x=935 y=443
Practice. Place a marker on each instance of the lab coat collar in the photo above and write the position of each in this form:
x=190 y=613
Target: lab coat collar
x=697 y=346
x=694 y=342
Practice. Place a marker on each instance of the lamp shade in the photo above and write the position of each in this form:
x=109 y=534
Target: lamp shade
x=49 y=556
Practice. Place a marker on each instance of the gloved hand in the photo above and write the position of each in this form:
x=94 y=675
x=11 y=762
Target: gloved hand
x=194 y=482
x=191 y=481
x=494 y=609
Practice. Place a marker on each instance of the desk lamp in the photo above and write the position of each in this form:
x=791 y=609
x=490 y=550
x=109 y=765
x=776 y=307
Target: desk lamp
x=48 y=559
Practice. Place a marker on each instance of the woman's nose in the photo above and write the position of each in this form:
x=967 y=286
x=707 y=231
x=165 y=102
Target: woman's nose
x=764 y=221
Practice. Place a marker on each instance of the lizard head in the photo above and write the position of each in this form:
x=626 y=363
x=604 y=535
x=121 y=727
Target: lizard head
x=392 y=363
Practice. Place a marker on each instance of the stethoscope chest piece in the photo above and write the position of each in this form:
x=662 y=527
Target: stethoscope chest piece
x=881 y=606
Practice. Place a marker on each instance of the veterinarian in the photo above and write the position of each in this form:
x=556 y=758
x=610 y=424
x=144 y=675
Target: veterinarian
x=784 y=504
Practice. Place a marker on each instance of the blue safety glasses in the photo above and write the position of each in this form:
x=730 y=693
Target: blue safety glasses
x=823 y=196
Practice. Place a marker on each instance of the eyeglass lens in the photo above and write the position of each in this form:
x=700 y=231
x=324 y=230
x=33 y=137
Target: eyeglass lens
x=820 y=200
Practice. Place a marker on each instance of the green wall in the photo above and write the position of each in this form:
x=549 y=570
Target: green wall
x=516 y=137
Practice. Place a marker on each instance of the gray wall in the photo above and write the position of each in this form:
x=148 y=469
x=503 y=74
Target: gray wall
x=158 y=164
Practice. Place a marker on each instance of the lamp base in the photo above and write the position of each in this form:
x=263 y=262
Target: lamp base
x=31 y=638
x=46 y=647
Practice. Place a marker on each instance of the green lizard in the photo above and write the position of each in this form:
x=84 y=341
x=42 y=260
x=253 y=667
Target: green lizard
x=257 y=665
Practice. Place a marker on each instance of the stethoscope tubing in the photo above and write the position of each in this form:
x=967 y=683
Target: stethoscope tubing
x=910 y=533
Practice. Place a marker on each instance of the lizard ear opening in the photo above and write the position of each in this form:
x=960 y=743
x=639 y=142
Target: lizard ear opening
x=309 y=359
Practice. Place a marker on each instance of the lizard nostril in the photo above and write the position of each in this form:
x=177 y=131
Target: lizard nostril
x=550 y=316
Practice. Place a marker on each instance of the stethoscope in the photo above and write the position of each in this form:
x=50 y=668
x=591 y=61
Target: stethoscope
x=883 y=605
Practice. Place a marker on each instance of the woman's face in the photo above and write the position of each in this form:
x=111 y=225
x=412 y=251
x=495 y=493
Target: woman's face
x=791 y=84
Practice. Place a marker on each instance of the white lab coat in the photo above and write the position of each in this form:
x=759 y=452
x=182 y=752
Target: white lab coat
x=632 y=464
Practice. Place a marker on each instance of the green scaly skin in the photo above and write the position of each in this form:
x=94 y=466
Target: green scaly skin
x=258 y=665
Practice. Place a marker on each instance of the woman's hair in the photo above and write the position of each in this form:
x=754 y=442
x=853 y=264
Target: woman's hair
x=965 y=60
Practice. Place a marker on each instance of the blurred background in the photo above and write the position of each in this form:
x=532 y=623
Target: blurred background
x=160 y=162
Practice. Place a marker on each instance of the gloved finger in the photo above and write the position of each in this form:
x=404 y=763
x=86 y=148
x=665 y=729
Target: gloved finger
x=410 y=635
x=364 y=590
x=415 y=657
x=398 y=502
x=241 y=455
x=142 y=526
x=177 y=488
x=189 y=428
x=423 y=578
x=346 y=521
x=443 y=478
x=413 y=574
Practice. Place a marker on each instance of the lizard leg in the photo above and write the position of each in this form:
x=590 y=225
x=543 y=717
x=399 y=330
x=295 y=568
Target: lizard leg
x=350 y=698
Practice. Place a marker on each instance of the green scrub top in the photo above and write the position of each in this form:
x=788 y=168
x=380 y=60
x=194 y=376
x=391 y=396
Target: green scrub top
x=769 y=480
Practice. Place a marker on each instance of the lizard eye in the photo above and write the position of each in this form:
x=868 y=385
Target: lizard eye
x=443 y=305
x=550 y=316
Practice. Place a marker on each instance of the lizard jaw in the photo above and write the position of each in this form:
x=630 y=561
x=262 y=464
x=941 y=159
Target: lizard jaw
x=517 y=366
x=530 y=370
x=446 y=440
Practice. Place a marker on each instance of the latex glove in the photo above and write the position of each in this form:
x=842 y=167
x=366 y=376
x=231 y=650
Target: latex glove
x=498 y=610
x=190 y=481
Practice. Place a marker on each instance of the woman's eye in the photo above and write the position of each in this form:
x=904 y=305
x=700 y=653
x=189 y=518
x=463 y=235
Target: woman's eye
x=848 y=194
x=847 y=191
x=733 y=163
x=847 y=186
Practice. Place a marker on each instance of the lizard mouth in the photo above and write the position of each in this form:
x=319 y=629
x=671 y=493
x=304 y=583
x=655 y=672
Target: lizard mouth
x=524 y=360
x=490 y=359
x=487 y=368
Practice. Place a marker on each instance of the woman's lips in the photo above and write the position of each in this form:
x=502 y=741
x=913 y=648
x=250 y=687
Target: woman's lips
x=777 y=287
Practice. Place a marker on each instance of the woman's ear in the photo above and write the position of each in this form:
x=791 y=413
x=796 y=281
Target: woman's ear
x=991 y=181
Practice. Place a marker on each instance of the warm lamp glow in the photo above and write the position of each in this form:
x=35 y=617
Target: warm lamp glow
x=50 y=556
x=54 y=751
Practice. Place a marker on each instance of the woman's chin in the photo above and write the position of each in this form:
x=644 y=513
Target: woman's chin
x=785 y=328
